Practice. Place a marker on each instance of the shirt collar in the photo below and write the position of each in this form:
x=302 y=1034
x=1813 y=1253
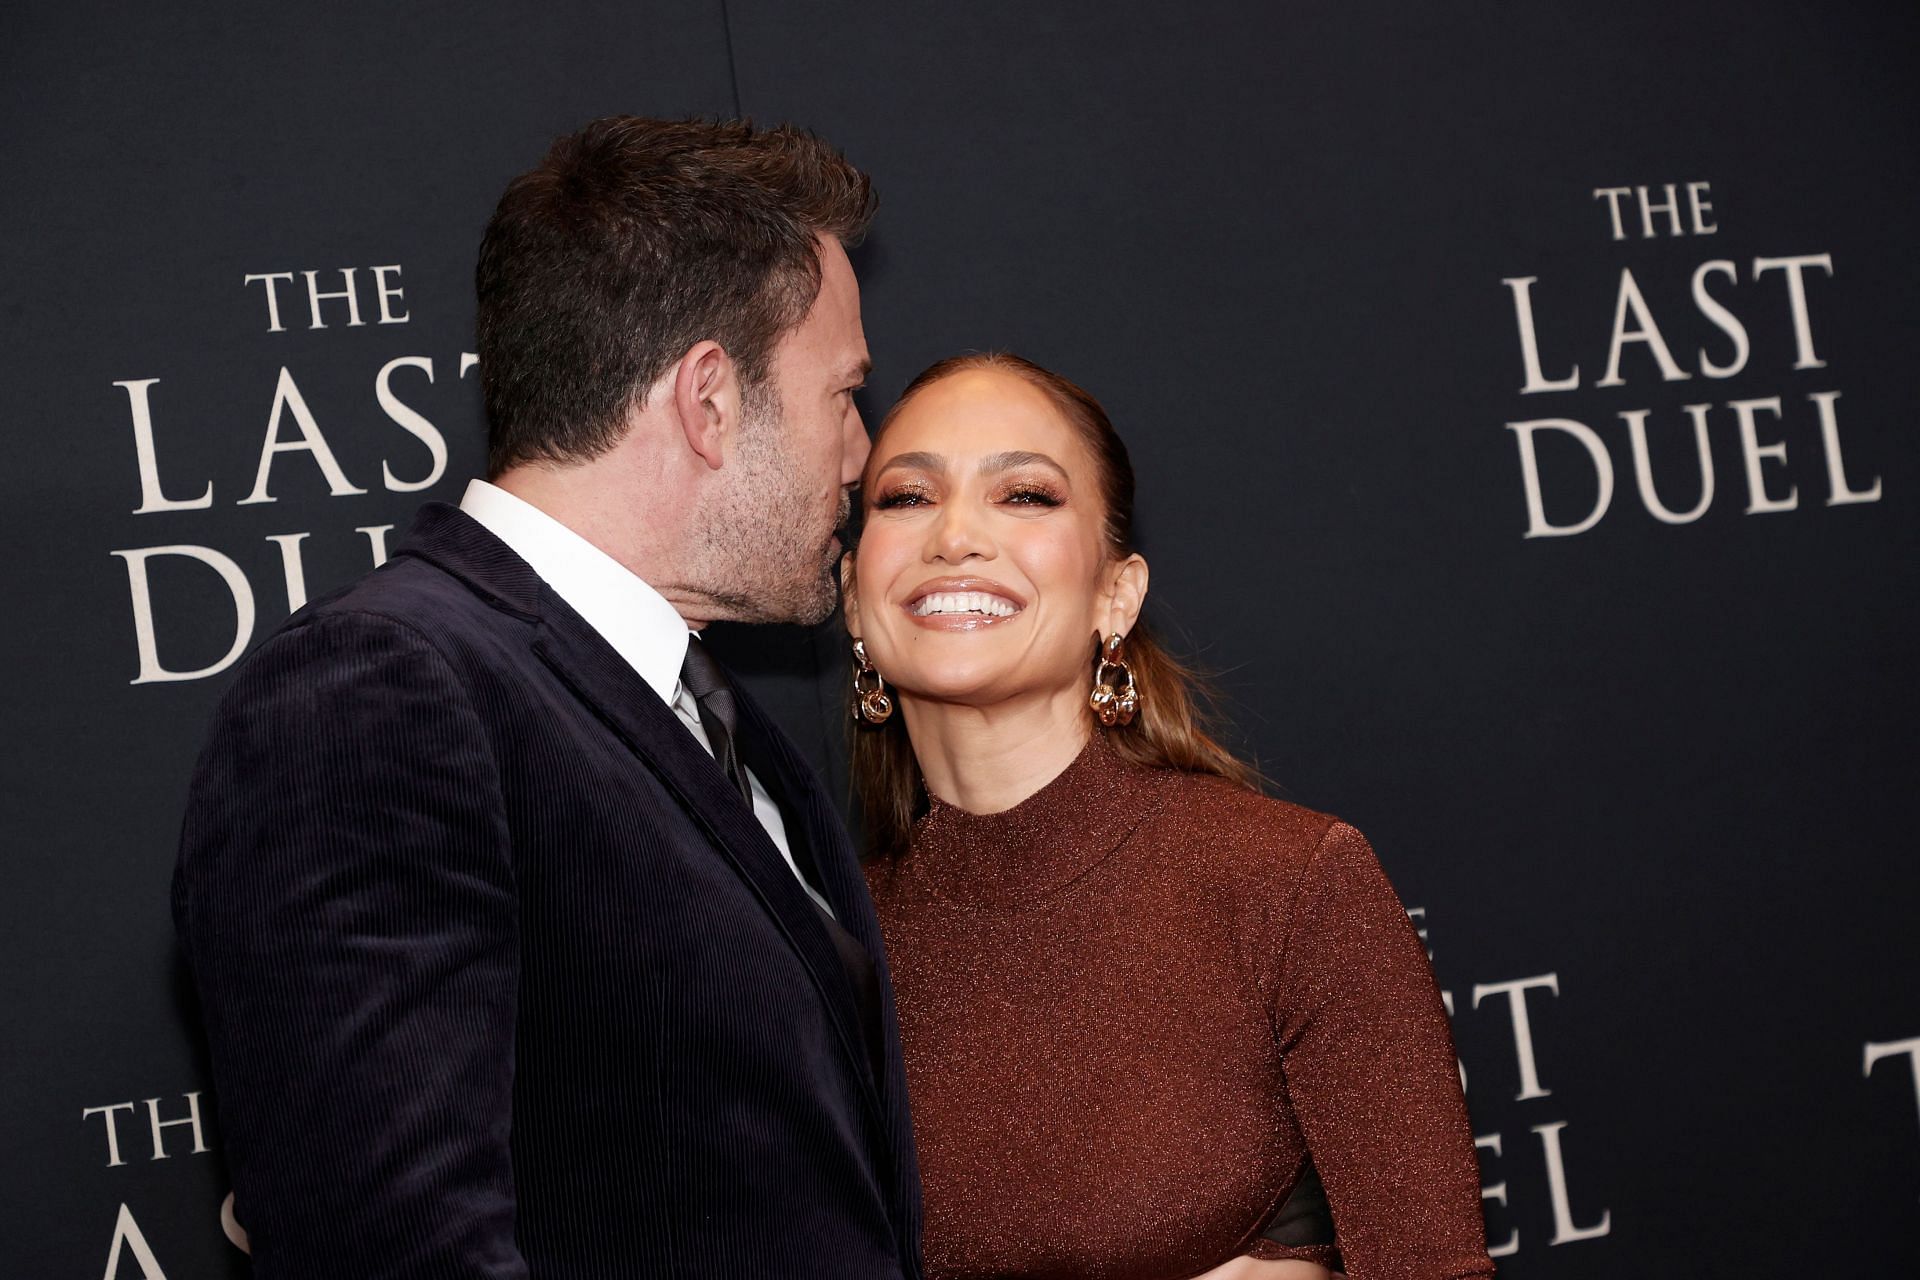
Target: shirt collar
x=631 y=616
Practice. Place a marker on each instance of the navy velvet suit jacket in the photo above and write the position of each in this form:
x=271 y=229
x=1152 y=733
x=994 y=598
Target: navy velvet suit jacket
x=502 y=978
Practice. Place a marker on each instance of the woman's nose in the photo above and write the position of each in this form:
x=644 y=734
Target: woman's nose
x=958 y=534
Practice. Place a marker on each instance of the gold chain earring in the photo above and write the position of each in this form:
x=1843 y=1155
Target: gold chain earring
x=1115 y=698
x=870 y=701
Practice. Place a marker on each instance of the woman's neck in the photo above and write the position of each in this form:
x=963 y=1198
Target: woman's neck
x=989 y=759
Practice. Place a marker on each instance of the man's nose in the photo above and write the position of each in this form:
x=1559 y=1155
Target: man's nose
x=854 y=449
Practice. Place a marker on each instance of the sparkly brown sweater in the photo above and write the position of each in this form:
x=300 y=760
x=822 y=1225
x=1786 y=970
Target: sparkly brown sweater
x=1132 y=1004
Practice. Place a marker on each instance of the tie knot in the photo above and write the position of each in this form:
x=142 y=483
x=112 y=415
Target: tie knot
x=703 y=678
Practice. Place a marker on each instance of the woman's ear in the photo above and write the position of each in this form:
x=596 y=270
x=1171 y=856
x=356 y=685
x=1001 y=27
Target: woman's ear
x=849 y=596
x=1126 y=594
x=706 y=401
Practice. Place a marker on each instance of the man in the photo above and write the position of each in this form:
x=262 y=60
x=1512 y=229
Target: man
x=527 y=944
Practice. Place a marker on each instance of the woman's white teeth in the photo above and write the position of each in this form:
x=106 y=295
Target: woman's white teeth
x=964 y=602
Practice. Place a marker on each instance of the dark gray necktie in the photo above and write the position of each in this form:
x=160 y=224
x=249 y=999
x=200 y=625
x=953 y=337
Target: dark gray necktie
x=719 y=715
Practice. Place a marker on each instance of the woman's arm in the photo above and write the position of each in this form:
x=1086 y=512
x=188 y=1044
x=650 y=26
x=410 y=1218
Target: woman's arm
x=1372 y=1077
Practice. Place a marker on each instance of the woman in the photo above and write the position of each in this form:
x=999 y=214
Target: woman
x=1141 y=1003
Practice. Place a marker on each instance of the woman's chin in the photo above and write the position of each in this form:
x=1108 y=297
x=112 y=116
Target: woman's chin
x=950 y=693
x=981 y=685
x=962 y=668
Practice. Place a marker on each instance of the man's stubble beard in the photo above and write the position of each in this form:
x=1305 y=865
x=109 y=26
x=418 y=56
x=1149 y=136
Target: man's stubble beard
x=764 y=559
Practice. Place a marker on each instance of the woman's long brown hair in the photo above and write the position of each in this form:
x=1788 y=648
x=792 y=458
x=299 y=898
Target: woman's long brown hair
x=1173 y=728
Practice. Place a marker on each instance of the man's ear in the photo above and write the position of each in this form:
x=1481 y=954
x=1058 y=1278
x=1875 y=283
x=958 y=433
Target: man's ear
x=849 y=596
x=706 y=401
x=1127 y=588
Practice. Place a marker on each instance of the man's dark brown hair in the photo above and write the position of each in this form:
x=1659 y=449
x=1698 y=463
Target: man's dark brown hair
x=632 y=241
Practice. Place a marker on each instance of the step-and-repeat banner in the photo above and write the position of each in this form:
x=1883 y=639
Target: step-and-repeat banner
x=1523 y=404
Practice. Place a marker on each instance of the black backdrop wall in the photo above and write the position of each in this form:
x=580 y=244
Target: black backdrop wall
x=1523 y=404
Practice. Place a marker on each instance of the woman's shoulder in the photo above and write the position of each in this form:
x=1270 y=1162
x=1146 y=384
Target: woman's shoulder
x=1236 y=829
x=1261 y=864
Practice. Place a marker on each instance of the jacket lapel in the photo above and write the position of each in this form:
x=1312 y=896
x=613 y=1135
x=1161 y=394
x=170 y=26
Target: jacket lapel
x=845 y=887
x=601 y=679
x=820 y=827
x=624 y=702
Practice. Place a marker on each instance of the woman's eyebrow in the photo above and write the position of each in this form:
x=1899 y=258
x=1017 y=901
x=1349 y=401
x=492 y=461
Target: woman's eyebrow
x=917 y=461
x=1011 y=458
x=1005 y=460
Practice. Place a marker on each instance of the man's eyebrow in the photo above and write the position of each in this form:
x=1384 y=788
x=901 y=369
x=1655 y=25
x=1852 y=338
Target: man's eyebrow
x=858 y=372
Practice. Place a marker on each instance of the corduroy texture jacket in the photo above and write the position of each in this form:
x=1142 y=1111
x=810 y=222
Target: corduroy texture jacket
x=501 y=977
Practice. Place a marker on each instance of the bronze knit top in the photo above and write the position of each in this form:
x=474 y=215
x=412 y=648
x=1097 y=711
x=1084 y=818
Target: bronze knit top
x=1131 y=1005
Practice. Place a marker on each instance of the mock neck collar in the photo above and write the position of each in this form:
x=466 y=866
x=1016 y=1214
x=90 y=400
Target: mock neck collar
x=1020 y=856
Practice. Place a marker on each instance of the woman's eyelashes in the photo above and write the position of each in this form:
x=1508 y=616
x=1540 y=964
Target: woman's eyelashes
x=902 y=495
x=1031 y=494
x=1019 y=493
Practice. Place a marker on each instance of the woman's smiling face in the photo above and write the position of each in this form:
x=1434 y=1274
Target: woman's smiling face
x=983 y=570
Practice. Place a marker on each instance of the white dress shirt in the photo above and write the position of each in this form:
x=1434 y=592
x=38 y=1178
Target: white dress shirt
x=631 y=616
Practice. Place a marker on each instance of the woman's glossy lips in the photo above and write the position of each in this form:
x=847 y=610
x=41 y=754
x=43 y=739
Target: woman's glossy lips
x=962 y=604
